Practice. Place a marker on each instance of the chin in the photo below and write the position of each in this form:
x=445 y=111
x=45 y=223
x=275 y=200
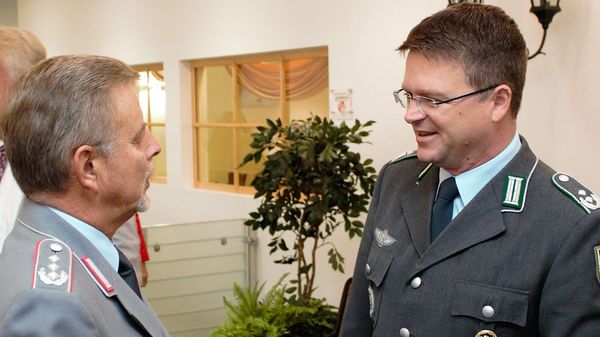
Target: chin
x=425 y=156
x=143 y=205
x=429 y=155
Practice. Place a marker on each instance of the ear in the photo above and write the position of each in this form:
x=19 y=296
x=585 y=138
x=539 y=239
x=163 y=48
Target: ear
x=501 y=99
x=86 y=163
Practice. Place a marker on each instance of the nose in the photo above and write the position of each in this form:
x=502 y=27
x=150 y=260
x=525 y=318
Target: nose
x=154 y=146
x=413 y=113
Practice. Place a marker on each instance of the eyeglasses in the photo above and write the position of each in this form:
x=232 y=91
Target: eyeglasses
x=427 y=104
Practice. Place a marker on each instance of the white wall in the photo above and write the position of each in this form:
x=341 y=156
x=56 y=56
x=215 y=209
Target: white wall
x=558 y=116
x=8 y=12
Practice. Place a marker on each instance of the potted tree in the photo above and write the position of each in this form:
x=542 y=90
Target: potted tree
x=311 y=183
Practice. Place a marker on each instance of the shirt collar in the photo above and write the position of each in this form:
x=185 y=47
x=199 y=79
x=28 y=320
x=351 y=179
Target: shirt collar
x=469 y=183
x=97 y=239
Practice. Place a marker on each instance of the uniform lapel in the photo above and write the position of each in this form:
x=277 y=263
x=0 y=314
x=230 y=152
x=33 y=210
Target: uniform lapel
x=417 y=203
x=480 y=220
x=41 y=219
x=477 y=222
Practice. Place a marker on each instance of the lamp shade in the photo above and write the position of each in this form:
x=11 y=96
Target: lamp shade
x=542 y=3
x=456 y=2
x=545 y=10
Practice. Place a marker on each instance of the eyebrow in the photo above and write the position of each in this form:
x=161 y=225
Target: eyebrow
x=435 y=95
x=140 y=133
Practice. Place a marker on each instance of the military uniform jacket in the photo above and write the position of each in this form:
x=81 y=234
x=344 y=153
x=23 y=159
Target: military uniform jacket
x=498 y=269
x=56 y=283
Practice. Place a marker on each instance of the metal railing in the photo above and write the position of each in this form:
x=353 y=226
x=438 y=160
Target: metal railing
x=192 y=267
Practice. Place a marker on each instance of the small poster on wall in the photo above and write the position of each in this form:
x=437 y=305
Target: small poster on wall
x=340 y=106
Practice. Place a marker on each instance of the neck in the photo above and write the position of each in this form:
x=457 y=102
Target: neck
x=105 y=219
x=491 y=149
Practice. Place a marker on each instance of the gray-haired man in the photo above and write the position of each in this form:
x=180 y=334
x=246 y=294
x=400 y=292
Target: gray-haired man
x=81 y=153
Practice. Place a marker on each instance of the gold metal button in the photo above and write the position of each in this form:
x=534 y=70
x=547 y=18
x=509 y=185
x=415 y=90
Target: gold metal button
x=486 y=333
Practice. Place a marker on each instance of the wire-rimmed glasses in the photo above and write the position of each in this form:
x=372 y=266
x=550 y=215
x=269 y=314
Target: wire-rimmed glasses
x=427 y=104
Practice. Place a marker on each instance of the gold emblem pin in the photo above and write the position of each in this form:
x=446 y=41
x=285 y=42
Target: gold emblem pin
x=486 y=333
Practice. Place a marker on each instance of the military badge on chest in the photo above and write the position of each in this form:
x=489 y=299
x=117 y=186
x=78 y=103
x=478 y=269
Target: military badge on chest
x=383 y=238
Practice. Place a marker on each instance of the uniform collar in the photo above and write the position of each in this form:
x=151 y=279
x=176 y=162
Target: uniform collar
x=96 y=237
x=481 y=220
x=469 y=183
x=38 y=218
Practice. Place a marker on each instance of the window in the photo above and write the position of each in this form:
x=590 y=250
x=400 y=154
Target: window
x=151 y=92
x=234 y=95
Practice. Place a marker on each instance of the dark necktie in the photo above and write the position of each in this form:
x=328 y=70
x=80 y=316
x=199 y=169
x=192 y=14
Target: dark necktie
x=3 y=161
x=441 y=214
x=128 y=274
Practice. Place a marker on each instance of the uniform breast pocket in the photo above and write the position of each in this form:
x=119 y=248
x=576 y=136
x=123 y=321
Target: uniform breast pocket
x=376 y=269
x=496 y=308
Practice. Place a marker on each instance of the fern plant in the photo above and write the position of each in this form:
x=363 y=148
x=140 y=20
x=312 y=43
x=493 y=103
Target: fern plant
x=274 y=315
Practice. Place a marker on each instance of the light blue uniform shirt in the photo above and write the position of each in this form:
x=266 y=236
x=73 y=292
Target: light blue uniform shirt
x=96 y=237
x=469 y=183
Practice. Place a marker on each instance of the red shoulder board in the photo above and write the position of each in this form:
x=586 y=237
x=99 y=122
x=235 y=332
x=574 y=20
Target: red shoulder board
x=97 y=276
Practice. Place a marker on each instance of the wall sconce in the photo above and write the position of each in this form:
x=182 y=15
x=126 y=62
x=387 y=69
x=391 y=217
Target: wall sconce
x=544 y=10
x=456 y=2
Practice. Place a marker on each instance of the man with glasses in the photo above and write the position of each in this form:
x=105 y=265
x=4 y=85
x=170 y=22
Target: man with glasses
x=473 y=235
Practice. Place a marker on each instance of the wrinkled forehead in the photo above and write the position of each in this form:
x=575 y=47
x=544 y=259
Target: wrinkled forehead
x=124 y=108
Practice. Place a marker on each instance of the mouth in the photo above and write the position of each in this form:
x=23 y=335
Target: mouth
x=424 y=135
x=147 y=179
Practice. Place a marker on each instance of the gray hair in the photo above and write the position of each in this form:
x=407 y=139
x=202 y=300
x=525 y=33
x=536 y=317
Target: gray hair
x=61 y=104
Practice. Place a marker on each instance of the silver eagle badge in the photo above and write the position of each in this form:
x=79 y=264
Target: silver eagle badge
x=383 y=238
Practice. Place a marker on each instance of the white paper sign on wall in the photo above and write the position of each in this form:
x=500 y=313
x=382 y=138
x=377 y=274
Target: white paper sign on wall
x=340 y=106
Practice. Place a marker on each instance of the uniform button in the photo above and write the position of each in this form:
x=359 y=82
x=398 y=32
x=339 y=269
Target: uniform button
x=486 y=333
x=416 y=282
x=56 y=247
x=404 y=332
x=368 y=269
x=487 y=311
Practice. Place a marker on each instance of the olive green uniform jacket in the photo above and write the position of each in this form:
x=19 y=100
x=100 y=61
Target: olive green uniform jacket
x=517 y=263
